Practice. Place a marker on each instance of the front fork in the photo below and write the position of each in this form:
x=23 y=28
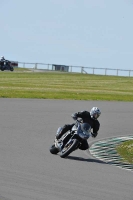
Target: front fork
x=70 y=140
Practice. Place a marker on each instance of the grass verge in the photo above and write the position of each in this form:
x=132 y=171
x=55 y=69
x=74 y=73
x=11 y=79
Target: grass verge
x=57 y=85
x=126 y=151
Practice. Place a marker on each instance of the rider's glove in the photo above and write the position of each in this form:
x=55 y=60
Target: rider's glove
x=94 y=134
x=74 y=116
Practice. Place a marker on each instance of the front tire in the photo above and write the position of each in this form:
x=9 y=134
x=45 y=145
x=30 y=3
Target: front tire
x=53 y=149
x=69 y=148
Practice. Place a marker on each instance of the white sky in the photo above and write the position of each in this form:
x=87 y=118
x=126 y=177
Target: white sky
x=90 y=33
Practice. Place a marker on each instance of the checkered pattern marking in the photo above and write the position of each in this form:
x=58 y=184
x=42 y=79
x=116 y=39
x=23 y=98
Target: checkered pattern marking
x=105 y=150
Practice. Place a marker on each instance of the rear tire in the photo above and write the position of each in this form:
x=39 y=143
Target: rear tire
x=67 y=150
x=11 y=69
x=53 y=149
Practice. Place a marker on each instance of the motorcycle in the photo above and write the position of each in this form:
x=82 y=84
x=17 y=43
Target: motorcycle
x=6 y=66
x=71 y=140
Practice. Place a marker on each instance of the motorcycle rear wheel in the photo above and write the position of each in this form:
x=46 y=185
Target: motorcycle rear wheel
x=11 y=69
x=53 y=149
x=69 y=148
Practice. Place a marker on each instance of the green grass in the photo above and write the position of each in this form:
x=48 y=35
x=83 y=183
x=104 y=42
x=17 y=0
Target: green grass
x=126 y=151
x=57 y=85
x=21 y=69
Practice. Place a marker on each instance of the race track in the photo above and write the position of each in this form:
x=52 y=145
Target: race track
x=29 y=172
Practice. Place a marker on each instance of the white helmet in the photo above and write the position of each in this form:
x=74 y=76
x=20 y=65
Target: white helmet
x=95 y=113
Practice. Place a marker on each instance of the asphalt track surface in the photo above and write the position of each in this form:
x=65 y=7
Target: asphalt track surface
x=29 y=172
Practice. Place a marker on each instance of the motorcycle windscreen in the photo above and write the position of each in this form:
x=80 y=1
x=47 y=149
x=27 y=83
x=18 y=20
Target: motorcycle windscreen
x=84 y=133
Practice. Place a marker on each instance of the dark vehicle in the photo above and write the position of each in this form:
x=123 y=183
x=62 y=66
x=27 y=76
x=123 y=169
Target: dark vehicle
x=6 y=65
x=71 y=140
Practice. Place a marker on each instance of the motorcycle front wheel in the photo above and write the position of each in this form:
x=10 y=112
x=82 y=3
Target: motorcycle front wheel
x=69 y=148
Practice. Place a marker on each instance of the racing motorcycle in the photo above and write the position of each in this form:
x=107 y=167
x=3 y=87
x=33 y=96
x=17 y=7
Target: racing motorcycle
x=7 y=66
x=71 y=140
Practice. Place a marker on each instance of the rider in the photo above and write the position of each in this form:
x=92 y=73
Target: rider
x=2 y=60
x=87 y=117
